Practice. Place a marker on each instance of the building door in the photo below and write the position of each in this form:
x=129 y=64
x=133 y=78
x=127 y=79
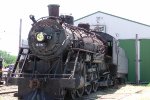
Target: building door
x=145 y=60
x=129 y=46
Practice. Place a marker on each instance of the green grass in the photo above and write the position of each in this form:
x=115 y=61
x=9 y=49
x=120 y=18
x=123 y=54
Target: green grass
x=142 y=84
x=145 y=84
x=148 y=84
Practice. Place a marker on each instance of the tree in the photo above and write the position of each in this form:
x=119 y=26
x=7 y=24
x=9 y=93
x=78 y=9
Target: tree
x=8 y=59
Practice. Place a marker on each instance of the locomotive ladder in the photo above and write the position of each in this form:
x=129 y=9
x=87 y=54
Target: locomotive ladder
x=21 y=53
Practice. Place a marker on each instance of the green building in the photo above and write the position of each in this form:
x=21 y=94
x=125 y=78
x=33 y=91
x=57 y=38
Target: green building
x=144 y=59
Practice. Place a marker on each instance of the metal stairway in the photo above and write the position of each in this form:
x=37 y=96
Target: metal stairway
x=23 y=52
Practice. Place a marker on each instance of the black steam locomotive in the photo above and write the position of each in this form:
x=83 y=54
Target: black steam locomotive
x=64 y=61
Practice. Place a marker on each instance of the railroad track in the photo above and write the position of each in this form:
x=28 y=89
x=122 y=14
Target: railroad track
x=8 y=89
x=8 y=92
x=11 y=90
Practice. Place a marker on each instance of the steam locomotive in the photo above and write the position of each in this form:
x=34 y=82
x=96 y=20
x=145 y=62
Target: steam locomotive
x=63 y=61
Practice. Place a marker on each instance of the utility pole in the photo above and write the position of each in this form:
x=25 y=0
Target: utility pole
x=20 y=30
x=137 y=63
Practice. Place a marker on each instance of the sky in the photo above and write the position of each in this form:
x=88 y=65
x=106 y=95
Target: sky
x=11 y=11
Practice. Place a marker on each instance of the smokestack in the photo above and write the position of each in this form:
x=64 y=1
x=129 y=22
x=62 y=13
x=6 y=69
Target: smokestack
x=53 y=10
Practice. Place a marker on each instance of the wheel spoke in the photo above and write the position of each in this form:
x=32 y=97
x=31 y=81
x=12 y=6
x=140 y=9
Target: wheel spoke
x=94 y=86
x=80 y=92
x=73 y=94
x=88 y=89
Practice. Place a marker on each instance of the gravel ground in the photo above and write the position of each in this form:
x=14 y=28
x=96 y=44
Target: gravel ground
x=124 y=92
x=9 y=96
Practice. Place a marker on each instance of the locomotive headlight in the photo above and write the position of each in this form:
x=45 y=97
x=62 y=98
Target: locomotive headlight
x=40 y=37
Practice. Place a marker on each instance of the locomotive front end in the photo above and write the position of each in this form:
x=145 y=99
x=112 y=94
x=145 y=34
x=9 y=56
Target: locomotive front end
x=46 y=38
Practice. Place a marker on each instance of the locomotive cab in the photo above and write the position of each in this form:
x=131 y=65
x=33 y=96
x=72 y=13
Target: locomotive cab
x=110 y=45
x=116 y=55
x=109 y=42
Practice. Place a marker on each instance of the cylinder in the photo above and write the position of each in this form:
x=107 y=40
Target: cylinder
x=53 y=10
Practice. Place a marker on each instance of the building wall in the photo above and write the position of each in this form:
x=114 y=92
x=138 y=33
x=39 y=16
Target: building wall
x=125 y=29
x=145 y=60
x=129 y=46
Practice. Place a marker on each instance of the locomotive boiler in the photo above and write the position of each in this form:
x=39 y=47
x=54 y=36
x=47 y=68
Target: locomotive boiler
x=63 y=61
